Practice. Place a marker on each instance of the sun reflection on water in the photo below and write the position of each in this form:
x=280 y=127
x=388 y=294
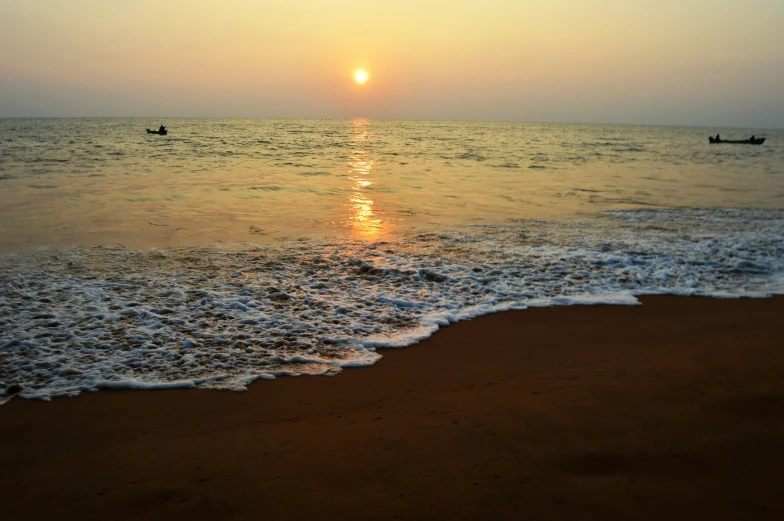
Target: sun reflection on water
x=362 y=213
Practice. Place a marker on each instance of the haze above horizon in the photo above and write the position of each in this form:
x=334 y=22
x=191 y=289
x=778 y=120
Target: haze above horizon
x=685 y=62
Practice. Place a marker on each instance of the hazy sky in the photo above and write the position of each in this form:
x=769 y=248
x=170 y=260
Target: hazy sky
x=697 y=62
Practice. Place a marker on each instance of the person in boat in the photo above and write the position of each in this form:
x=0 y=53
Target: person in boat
x=718 y=137
x=752 y=138
x=162 y=129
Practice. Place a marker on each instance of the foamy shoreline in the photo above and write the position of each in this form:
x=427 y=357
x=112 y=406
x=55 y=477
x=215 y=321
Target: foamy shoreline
x=80 y=319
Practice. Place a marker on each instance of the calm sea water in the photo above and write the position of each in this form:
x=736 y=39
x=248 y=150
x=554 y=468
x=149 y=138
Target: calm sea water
x=232 y=250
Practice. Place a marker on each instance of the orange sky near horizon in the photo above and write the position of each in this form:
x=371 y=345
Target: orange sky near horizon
x=679 y=62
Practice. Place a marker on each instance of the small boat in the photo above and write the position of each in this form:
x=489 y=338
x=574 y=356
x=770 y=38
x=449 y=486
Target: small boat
x=159 y=132
x=750 y=141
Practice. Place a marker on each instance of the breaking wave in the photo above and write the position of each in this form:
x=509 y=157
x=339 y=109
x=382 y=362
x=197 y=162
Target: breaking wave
x=220 y=317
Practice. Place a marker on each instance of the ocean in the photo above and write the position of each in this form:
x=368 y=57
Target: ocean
x=235 y=250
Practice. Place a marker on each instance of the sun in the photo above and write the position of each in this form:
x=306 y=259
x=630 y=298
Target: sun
x=361 y=76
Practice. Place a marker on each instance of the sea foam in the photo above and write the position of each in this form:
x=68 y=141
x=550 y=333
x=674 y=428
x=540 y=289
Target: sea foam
x=87 y=318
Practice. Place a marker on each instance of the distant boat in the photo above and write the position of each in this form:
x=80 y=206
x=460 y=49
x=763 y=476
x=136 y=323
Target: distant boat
x=159 y=132
x=750 y=141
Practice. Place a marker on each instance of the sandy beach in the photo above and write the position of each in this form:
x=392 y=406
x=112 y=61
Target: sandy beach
x=670 y=410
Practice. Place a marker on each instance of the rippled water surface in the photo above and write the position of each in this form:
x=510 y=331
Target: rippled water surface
x=233 y=250
x=95 y=181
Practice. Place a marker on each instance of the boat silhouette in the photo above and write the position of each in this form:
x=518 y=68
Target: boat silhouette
x=751 y=141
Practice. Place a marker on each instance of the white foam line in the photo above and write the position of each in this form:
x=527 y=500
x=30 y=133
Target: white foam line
x=81 y=319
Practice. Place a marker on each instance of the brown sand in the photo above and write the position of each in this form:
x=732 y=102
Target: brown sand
x=673 y=410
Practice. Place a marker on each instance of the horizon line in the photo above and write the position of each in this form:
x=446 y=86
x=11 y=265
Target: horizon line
x=348 y=118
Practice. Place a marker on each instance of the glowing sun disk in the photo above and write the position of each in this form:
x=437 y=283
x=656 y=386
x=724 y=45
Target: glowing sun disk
x=361 y=76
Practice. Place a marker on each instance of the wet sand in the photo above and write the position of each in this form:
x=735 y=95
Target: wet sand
x=671 y=410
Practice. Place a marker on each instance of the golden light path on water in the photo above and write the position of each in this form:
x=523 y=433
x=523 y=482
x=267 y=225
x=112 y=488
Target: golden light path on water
x=362 y=214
